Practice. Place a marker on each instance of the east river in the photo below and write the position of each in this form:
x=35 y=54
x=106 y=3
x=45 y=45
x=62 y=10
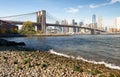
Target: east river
x=99 y=48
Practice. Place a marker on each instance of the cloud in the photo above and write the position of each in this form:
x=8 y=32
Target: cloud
x=80 y=7
x=114 y=1
x=96 y=6
x=104 y=4
x=74 y=10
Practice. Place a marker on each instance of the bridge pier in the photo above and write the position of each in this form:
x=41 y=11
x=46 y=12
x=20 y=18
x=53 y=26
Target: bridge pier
x=92 y=31
x=41 y=18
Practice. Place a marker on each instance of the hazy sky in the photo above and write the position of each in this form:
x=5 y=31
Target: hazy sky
x=81 y=10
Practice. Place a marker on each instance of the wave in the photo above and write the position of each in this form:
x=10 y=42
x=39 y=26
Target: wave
x=112 y=66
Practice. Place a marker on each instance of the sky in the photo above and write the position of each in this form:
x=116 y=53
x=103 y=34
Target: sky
x=80 y=10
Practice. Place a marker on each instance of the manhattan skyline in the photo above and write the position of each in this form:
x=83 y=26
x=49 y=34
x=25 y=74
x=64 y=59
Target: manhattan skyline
x=80 y=10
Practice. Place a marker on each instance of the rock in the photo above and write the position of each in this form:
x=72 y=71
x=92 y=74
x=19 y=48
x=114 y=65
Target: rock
x=21 y=44
x=11 y=43
x=4 y=42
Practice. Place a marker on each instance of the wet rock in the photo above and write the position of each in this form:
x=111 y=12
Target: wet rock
x=21 y=44
x=4 y=42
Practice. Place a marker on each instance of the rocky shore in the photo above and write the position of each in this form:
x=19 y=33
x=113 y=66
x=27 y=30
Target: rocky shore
x=20 y=62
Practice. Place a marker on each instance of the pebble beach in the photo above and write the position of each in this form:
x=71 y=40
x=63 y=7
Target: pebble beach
x=20 y=62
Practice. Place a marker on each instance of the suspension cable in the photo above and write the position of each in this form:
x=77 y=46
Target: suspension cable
x=17 y=15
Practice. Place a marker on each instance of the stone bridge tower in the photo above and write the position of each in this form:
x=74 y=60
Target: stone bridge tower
x=41 y=18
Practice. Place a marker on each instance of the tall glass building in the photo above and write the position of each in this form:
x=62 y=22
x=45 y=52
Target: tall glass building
x=94 y=22
x=93 y=18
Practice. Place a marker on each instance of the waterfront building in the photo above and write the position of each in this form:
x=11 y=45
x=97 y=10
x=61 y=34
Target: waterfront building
x=74 y=24
x=112 y=30
x=117 y=23
x=90 y=25
x=64 y=29
x=81 y=24
x=58 y=29
x=6 y=27
x=71 y=29
x=100 y=22
x=54 y=29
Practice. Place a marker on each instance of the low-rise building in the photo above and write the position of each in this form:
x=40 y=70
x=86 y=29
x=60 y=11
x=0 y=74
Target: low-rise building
x=6 y=27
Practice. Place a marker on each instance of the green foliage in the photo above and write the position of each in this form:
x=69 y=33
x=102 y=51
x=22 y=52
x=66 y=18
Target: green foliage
x=45 y=65
x=28 y=65
x=97 y=72
x=26 y=60
x=39 y=32
x=111 y=75
x=118 y=75
x=23 y=53
x=16 y=67
x=101 y=76
x=12 y=31
x=28 y=28
x=77 y=68
x=3 y=31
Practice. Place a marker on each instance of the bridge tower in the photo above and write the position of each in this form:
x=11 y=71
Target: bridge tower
x=41 y=18
x=92 y=31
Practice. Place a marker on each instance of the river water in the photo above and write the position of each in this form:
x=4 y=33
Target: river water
x=99 y=48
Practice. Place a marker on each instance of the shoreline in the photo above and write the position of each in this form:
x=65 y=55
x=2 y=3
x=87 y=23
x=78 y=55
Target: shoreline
x=108 y=65
x=36 y=35
x=48 y=64
x=49 y=35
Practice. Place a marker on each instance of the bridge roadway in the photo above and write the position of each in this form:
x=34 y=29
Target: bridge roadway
x=48 y=24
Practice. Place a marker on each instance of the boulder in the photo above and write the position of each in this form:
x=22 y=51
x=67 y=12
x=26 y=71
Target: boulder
x=4 y=42
x=21 y=44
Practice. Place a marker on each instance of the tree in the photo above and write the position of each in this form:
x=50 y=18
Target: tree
x=28 y=28
x=13 y=31
x=3 y=31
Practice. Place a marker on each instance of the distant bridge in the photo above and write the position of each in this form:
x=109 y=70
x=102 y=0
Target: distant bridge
x=41 y=23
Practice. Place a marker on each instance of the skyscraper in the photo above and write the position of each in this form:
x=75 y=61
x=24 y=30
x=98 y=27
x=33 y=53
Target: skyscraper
x=100 y=22
x=93 y=18
x=65 y=29
x=117 y=23
x=81 y=23
x=59 y=29
x=94 y=23
x=74 y=24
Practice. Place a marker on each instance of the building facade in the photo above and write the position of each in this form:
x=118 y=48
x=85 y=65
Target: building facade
x=6 y=27
x=64 y=29
x=100 y=22
x=117 y=23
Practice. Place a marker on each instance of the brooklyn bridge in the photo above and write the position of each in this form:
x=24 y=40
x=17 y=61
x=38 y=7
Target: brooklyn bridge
x=41 y=21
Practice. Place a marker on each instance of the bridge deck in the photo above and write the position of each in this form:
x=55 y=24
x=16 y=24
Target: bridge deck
x=48 y=24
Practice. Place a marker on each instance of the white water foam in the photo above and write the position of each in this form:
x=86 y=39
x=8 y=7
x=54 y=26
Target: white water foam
x=112 y=66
